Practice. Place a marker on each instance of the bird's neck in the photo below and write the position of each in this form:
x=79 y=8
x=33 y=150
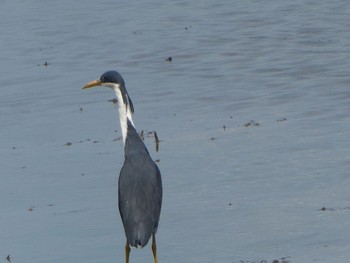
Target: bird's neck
x=124 y=115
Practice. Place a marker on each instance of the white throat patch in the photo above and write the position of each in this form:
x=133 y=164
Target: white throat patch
x=124 y=113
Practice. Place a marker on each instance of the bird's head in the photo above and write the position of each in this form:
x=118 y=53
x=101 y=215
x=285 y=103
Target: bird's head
x=112 y=79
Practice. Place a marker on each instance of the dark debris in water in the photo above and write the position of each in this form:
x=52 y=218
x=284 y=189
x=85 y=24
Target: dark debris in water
x=45 y=64
x=151 y=134
x=281 y=260
x=169 y=59
x=281 y=119
x=326 y=209
x=32 y=208
x=156 y=141
x=333 y=209
x=8 y=258
x=252 y=124
x=143 y=135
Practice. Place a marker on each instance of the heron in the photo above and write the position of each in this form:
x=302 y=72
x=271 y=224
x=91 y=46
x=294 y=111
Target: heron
x=140 y=183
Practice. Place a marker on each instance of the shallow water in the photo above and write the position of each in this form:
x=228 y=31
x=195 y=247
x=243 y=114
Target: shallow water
x=252 y=114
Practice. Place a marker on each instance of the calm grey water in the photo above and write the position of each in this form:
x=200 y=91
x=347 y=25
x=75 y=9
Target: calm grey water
x=275 y=74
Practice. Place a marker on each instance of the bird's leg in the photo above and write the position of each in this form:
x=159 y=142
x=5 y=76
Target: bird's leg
x=127 y=252
x=154 y=248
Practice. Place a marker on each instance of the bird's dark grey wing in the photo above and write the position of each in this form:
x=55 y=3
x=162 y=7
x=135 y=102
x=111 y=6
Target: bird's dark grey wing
x=140 y=199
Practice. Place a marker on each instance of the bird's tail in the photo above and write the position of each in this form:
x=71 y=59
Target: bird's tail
x=140 y=237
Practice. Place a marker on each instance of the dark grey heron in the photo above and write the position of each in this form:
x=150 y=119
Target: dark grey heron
x=140 y=184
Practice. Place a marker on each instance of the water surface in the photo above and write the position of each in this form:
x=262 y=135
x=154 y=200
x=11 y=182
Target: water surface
x=252 y=113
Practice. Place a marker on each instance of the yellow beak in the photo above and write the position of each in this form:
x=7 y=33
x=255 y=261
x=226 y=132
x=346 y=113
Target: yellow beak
x=93 y=83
